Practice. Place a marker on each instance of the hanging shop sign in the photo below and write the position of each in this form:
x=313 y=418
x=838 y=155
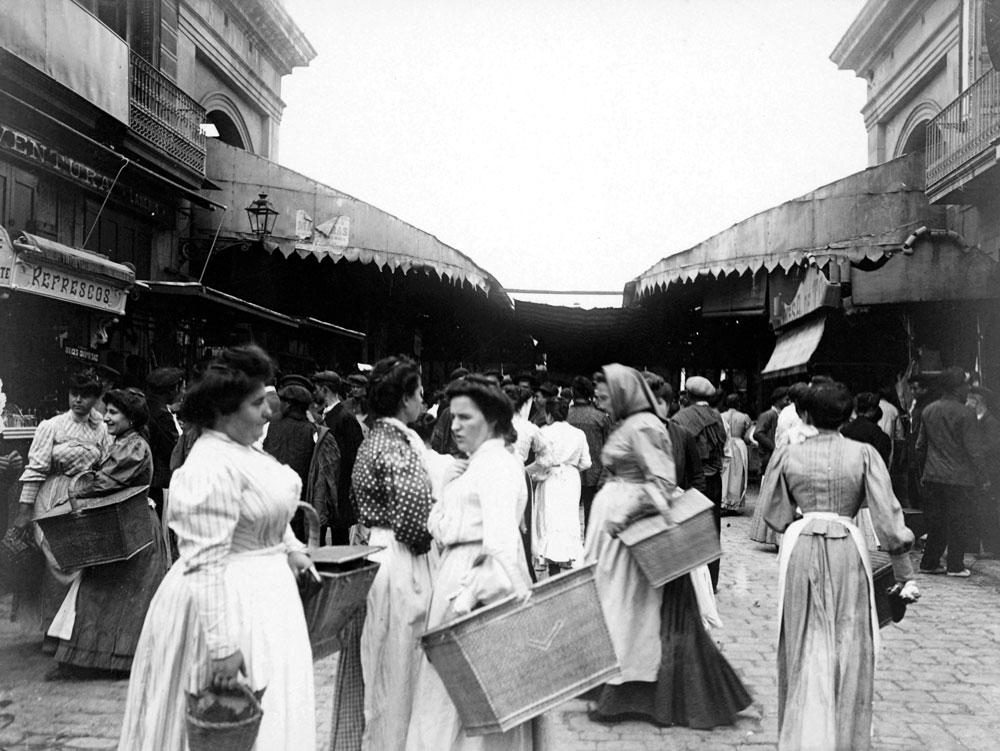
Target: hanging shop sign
x=43 y=267
x=38 y=152
x=82 y=353
x=814 y=293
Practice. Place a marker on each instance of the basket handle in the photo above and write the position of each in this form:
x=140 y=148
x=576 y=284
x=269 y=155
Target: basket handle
x=312 y=521
x=76 y=492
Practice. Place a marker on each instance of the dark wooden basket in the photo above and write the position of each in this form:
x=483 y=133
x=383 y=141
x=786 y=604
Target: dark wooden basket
x=92 y=531
x=346 y=578
x=514 y=660
x=882 y=580
x=666 y=549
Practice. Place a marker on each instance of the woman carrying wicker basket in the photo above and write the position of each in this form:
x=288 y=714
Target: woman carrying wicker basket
x=672 y=672
x=483 y=561
x=101 y=618
x=63 y=447
x=230 y=604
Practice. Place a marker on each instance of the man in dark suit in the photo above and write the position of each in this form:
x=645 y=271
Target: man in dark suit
x=331 y=390
x=164 y=386
x=767 y=423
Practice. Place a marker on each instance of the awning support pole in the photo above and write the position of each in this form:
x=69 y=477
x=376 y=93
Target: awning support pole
x=212 y=246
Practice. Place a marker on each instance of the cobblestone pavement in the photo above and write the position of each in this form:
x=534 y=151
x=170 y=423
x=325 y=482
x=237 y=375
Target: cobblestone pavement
x=938 y=684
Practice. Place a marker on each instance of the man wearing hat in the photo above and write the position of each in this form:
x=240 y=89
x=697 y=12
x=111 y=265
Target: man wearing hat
x=296 y=379
x=164 y=386
x=357 y=401
x=705 y=424
x=331 y=389
x=767 y=424
x=987 y=434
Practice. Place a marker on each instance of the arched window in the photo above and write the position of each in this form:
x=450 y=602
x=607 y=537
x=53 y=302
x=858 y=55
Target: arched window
x=229 y=133
x=917 y=140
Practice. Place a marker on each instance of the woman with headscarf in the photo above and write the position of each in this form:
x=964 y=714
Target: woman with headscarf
x=103 y=617
x=476 y=523
x=672 y=672
x=828 y=637
x=63 y=447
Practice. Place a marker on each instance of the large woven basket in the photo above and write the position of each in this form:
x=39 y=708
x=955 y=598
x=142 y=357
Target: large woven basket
x=514 y=660
x=346 y=578
x=212 y=735
x=106 y=529
x=666 y=549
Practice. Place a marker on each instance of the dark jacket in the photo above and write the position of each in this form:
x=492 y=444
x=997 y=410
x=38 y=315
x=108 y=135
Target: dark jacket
x=706 y=425
x=290 y=440
x=763 y=434
x=687 y=460
x=163 y=437
x=347 y=432
x=864 y=430
x=322 y=490
x=948 y=444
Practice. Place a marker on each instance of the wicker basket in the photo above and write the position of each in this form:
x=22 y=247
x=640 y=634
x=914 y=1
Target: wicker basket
x=91 y=531
x=211 y=735
x=346 y=578
x=513 y=660
x=666 y=549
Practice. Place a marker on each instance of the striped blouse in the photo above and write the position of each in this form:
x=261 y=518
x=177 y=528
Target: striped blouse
x=227 y=498
x=68 y=445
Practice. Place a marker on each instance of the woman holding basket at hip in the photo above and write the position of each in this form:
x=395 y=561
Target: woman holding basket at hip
x=228 y=611
x=476 y=521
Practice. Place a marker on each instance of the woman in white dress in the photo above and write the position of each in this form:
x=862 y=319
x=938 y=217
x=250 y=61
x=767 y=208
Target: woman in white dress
x=557 y=499
x=228 y=610
x=476 y=521
x=735 y=472
x=392 y=495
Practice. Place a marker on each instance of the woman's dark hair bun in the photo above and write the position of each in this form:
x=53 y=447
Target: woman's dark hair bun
x=227 y=380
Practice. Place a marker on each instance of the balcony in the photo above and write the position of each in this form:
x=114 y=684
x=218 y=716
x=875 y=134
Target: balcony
x=164 y=115
x=961 y=142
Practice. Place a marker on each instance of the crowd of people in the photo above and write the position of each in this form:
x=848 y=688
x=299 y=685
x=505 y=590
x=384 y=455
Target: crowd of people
x=501 y=482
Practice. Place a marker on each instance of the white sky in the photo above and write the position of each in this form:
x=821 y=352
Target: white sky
x=570 y=144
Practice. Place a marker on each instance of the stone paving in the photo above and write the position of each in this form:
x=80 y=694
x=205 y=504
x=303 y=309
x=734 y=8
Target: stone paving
x=938 y=684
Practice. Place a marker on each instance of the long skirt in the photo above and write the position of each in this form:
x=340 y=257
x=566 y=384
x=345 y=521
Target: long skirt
x=631 y=607
x=695 y=686
x=390 y=648
x=434 y=723
x=557 y=516
x=735 y=477
x=826 y=652
x=111 y=606
x=266 y=618
x=34 y=611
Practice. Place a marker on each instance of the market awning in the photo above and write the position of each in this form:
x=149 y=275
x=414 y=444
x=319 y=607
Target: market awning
x=794 y=348
x=317 y=221
x=866 y=215
x=44 y=267
x=194 y=289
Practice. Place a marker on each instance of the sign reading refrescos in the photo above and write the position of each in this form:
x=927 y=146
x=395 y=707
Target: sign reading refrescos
x=40 y=279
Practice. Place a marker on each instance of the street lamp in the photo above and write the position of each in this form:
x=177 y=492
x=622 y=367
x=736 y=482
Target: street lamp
x=262 y=215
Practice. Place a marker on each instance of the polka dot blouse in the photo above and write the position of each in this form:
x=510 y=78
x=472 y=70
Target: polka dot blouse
x=391 y=486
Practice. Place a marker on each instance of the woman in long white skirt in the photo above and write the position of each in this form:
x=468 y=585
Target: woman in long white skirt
x=557 y=508
x=228 y=611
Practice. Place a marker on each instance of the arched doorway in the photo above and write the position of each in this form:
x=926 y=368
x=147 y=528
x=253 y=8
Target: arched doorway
x=228 y=132
x=916 y=141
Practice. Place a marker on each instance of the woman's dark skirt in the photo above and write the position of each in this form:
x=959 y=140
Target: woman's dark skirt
x=111 y=608
x=696 y=687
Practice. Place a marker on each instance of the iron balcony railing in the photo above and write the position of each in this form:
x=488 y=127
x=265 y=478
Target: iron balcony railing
x=965 y=128
x=164 y=115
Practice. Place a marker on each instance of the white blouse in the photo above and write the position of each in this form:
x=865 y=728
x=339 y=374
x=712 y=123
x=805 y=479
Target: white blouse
x=225 y=499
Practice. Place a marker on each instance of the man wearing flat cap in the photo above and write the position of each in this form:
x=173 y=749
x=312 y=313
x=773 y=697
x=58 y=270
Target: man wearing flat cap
x=705 y=424
x=331 y=390
x=987 y=434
